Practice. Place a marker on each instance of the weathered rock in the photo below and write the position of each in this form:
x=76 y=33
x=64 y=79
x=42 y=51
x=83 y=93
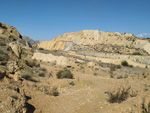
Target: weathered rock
x=12 y=67
x=58 y=60
x=52 y=45
x=9 y=31
x=16 y=49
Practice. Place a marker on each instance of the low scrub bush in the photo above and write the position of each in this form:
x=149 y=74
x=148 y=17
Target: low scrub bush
x=137 y=53
x=54 y=92
x=71 y=83
x=3 y=27
x=43 y=69
x=41 y=74
x=2 y=44
x=119 y=95
x=64 y=74
x=28 y=77
x=124 y=63
x=41 y=49
x=3 y=57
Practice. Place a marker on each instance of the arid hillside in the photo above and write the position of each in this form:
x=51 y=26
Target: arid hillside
x=89 y=71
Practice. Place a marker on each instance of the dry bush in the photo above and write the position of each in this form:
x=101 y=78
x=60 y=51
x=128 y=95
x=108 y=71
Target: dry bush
x=118 y=95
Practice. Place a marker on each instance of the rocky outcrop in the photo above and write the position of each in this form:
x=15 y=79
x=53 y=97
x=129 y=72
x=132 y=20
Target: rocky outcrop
x=52 y=45
x=13 y=56
x=89 y=39
x=9 y=32
x=16 y=49
x=12 y=99
x=58 y=60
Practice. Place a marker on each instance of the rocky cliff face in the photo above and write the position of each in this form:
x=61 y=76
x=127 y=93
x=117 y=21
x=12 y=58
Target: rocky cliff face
x=13 y=57
x=52 y=45
x=91 y=37
x=99 y=41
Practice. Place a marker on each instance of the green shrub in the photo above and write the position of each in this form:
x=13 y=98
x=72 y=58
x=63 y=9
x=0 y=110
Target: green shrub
x=54 y=92
x=121 y=94
x=3 y=27
x=120 y=77
x=64 y=74
x=71 y=83
x=3 y=57
x=124 y=63
x=41 y=49
x=28 y=77
x=43 y=69
x=41 y=74
x=137 y=53
x=2 y=44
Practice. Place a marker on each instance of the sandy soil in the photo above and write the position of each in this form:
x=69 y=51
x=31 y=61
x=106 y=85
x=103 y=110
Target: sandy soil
x=88 y=95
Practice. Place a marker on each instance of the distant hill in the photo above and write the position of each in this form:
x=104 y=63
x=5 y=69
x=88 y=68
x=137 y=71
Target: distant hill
x=98 y=41
x=30 y=40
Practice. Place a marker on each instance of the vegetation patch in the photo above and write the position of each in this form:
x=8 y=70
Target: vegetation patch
x=3 y=57
x=124 y=63
x=118 y=95
x=28 y=77
x=64 y=74
x=43 y=69
x=54 y=92
x=137 y=53
x=41 y=74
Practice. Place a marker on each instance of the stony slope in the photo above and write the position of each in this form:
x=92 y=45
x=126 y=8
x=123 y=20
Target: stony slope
x=15 y=60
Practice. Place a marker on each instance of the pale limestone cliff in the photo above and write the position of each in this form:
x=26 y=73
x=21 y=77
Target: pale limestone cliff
x=52 y=45
x=91 y=37
x=88 y=40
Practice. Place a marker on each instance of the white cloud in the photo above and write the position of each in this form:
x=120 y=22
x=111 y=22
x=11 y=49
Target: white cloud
x=144 y=35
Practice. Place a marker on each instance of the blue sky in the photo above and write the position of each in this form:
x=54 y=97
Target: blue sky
x=45 y=19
